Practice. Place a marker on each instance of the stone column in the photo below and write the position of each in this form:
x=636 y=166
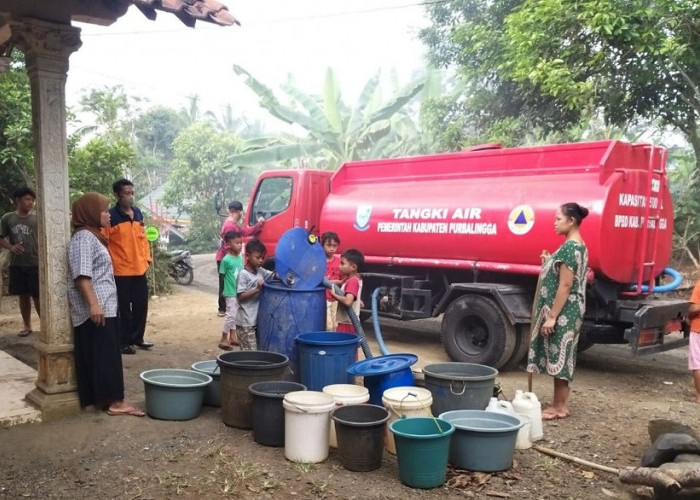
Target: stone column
x=46 y=47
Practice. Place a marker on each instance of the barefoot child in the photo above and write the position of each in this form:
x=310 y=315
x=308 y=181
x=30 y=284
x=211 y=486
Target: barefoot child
x=694 y=345
x=230 y=267
x=330 y=242
x=350 y=262
x=250 y=284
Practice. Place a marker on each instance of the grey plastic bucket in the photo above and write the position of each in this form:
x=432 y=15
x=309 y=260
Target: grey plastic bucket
x=459 y=386
x=483 y=441
x=173 y=394
x=212 y=393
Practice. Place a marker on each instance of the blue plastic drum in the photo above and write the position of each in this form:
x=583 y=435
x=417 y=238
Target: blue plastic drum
x=300 y=260
x=384 y=372
x=286 y=312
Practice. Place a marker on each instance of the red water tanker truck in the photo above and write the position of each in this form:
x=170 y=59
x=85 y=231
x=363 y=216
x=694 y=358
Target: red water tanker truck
x=461 y=235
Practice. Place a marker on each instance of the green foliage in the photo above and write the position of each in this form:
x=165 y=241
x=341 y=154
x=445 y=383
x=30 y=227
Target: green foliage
x=204 y=170
x=159 y=281
x=202 y=167
x=468 y=36
x=16 y=140
x=684 y=181
x=205 y=225
x=551 y=65
x=95 y=166
x=337 y=132
x=630 y=58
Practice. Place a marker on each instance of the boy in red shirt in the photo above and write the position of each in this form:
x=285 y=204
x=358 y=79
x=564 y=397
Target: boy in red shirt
x=330 y=242
x=350 y=262
x=694 y=344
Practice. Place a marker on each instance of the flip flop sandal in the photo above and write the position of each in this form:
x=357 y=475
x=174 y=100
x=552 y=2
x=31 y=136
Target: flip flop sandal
x=134 y=412
x=24 y=333
x=225 y=347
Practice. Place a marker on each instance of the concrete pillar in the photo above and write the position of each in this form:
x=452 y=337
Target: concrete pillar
x=46 y=47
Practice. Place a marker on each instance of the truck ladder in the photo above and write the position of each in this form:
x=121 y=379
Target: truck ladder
x=651 y=215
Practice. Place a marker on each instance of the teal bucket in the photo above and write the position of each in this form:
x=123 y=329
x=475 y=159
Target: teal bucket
x=173 y=394
x=483 y=441
x=422 y=448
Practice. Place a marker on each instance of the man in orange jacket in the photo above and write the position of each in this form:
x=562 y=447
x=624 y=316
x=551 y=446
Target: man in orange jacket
x=131 y=256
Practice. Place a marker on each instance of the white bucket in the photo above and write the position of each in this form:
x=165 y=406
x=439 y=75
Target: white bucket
x=345 y=394
x=306 y=425
x=405 y=402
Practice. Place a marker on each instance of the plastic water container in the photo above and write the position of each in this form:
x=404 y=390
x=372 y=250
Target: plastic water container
x=300 y=260
x=405 y=402
x=536 y=431
x=497 y=406
x=306 y=425
x=324 y=358
x=345 y=394
x=286 y=312
x=524 y=408
x=523 y=442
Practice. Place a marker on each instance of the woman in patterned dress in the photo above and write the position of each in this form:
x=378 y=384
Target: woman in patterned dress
x=92 y=295
x=557 y=312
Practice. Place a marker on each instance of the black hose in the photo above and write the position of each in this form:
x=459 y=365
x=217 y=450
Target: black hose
x=366 y=350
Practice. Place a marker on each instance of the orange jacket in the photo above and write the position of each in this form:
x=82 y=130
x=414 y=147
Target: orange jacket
x=128 y=246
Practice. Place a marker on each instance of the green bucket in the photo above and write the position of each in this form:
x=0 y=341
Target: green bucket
x=422 y=448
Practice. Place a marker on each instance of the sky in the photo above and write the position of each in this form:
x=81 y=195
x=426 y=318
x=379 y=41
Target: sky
x=164 y=61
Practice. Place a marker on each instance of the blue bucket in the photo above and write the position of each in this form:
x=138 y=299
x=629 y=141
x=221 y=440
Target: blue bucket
x=384 y=372
x=286 y=312
x=324 y=358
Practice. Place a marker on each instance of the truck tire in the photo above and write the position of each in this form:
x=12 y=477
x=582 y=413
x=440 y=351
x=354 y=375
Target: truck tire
x=475 y=330
x=522 y=345
x=583 y=343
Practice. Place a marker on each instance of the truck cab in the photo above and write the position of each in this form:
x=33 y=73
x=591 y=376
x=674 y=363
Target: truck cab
x=287 y=199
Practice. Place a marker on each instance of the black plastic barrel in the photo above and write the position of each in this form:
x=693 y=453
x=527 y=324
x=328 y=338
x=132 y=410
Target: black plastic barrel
x=360 y=430
x=268 y=412
x=239 y=369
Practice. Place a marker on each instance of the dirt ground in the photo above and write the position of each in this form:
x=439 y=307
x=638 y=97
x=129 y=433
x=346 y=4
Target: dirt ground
x=93 y=454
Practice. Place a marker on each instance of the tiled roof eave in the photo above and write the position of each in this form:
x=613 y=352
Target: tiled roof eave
x=189 y=11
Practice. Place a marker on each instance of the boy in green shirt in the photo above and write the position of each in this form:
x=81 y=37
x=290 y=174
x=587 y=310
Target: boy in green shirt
x=230 y=266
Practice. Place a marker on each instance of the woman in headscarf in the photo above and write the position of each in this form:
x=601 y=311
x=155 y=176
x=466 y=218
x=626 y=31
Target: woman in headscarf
x=93 y=305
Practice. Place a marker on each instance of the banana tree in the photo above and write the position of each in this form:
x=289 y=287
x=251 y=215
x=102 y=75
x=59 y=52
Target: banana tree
x=336 y=132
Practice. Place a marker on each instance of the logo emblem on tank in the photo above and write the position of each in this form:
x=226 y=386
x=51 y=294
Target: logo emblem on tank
x=521 y=219
x=362 y=217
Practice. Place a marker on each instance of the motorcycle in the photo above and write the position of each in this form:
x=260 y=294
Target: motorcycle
x=180 y=267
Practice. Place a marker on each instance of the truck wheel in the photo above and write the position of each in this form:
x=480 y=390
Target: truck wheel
x=583 y=343
x=475 y=330
x=522 y=344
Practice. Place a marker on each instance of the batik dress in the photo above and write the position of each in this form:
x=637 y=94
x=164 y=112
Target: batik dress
x=556 y=354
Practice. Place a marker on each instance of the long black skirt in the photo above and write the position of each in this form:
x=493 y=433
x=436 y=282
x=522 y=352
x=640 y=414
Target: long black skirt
x=98 y=363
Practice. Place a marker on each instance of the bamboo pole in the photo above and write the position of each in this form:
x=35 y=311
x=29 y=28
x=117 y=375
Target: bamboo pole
x=571 y=458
